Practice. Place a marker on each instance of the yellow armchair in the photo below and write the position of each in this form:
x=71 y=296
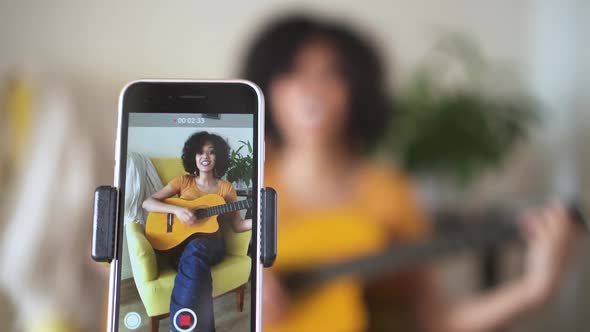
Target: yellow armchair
x=154 y=277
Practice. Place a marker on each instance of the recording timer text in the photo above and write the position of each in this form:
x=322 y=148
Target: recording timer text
x=189 y=120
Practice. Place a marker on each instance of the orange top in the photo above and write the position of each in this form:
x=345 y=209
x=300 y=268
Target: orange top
x=383 y=209
x=186 y=187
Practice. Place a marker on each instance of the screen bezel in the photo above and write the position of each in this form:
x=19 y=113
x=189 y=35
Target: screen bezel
x=179 y=96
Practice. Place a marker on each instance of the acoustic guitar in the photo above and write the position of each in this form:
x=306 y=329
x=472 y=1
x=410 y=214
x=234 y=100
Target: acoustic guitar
x=493 y=230
x=165 y=231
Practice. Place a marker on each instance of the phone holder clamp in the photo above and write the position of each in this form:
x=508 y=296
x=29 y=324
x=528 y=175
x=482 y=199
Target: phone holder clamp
x=106 y=202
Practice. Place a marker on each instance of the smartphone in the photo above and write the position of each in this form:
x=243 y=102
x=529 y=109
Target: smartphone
x=189 y=172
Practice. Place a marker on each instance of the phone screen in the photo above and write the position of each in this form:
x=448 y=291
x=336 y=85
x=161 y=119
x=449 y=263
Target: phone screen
x=187 y=252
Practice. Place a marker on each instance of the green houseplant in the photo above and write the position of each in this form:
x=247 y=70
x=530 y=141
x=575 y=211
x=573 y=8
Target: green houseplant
x=241 y=164
x=452 y=118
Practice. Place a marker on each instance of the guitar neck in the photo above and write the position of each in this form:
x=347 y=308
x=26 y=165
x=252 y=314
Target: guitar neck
x=397 y=258
x=227 y=208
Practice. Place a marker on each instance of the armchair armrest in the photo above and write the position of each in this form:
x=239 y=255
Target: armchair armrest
x=141 y=254
x=236 y=243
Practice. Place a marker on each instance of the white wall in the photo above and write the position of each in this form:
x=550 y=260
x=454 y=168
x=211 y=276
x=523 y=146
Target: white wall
x=116 y=41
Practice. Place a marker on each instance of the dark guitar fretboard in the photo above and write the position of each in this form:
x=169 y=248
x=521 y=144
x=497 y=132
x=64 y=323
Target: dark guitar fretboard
x=499 y=230
x=226 y=208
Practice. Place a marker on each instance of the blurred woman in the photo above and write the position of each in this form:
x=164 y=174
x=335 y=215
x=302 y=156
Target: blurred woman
x=327 y=108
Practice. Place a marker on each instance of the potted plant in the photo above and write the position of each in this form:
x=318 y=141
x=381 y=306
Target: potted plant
x=454 y=118
x=241 y=166
x=457 y=117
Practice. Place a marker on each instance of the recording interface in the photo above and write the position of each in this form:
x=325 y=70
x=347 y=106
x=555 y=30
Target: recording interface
x=186 y=258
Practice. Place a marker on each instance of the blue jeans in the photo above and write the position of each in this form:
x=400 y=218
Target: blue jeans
x=193 y=283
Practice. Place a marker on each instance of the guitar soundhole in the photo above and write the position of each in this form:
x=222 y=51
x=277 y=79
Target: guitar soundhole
x=200 y=214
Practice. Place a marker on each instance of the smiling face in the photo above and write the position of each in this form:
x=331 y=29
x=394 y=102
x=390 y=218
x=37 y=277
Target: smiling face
x=311 y=101
x=205 y=160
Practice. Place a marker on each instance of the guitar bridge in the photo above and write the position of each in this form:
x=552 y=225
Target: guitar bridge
x=170 y=219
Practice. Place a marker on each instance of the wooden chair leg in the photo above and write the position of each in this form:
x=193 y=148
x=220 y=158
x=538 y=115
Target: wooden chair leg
x=240 y=298
x=154 y=324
